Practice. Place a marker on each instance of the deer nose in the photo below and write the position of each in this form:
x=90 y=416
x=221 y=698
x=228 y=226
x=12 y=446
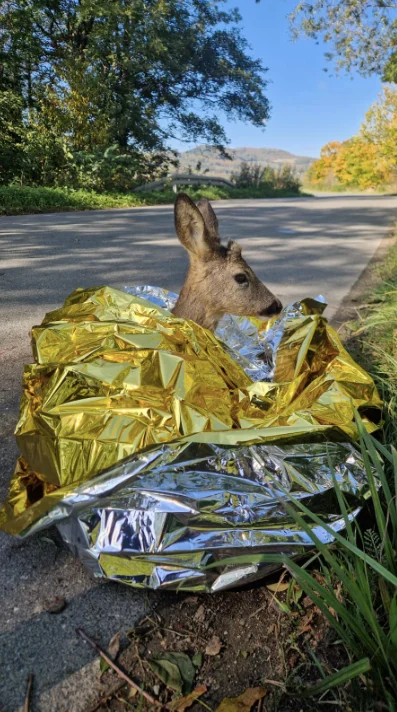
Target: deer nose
x=274 y=308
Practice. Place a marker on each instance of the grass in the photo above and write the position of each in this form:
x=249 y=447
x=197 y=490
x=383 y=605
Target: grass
x=374 y=340
x=364 y=614
x=340 y=188
x=16 y=200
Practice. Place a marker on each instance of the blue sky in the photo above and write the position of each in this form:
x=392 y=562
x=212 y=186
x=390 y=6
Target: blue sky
x=309 y=108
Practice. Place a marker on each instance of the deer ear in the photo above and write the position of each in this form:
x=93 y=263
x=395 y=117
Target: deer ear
x=190 y=227
x=210 y=219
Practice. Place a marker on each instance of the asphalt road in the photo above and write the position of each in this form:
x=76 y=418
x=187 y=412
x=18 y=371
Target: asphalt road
x=299 y=247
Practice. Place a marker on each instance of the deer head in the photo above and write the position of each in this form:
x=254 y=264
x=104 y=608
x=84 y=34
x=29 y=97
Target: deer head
x=219 y=280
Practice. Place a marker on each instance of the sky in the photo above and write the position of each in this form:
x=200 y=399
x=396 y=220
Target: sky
x=309 y=108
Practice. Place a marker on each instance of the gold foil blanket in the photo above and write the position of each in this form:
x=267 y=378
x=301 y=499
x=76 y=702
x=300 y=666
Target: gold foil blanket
x=156 y=446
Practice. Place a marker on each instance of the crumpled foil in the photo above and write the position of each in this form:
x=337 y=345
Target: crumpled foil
x=160 y=450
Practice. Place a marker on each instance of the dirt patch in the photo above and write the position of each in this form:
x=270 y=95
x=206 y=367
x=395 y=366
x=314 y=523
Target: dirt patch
x=237 y=640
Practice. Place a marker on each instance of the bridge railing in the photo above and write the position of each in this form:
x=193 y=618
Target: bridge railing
x=176 y=179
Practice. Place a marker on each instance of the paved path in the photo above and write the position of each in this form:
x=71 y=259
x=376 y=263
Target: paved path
x=299 y=247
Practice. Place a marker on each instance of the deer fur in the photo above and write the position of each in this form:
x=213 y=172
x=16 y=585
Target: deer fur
x=219 y=281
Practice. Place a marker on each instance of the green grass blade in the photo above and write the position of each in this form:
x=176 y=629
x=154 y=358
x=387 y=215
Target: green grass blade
x=340 y=539
x=339 y=678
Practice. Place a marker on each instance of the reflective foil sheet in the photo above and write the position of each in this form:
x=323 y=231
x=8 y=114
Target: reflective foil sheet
x=160 y=450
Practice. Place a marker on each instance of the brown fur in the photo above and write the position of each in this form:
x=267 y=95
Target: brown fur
x=210 y=289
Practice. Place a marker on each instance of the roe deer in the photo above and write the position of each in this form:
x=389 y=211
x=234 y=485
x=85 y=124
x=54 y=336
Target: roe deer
x=219 y=280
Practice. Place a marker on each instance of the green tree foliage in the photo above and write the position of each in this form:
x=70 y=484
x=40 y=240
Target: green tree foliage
x=106 y=84
x=361 y=34
x=380 y=127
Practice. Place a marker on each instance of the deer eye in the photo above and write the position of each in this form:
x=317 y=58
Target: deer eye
x=241 y=278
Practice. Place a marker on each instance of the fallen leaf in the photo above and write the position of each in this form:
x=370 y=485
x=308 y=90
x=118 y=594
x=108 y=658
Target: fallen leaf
x=54 y=605
x=103 y=666
x=168 y=673
x=297 y=594
x=200 y=614
x=183 y=703
x=197 y=660
x=307 y=602
x=214 y=646
x=278 y=587
x=132 y=692
x=244 y=702
x=113 y=650
x=114 y=645
x=176 y=670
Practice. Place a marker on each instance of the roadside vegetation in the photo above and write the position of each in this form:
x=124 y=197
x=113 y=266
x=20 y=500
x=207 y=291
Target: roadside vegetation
x=249 y=183
x=354 y=583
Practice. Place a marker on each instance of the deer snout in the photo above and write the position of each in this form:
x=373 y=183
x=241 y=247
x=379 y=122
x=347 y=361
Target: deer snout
x=274 y=308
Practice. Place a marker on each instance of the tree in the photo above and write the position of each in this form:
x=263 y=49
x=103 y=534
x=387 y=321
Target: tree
x=131 y=73
x=369 y=159
x=247 y=176
x=380 y=128
x=359 y=165
x=361 y=34
x=322 y=171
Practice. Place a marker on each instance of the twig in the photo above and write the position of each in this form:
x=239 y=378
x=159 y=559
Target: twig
x=204 y=704
x=274 y=682
x=258 y=610
x=119 y=671
x=26 y=704
x=101 y=700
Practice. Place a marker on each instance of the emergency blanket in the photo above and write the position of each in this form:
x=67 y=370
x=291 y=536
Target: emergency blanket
x=160 y=449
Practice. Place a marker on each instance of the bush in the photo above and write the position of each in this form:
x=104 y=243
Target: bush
x=249 y=176
x=33 y=153
x=17 y=200
x=268 y=178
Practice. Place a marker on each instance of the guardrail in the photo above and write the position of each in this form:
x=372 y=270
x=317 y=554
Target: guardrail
x=176 y=179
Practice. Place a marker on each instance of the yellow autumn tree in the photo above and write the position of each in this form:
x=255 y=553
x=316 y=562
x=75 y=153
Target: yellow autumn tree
x=358 y=165
x=369 y=159
x=321 y=172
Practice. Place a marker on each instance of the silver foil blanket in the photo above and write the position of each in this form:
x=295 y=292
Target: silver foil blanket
x=164 y=518
x=198 y=511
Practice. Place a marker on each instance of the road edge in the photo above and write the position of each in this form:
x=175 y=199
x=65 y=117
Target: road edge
x=368 y=279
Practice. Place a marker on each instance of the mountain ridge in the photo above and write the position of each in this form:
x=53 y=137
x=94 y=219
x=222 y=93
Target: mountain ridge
x=212 y=162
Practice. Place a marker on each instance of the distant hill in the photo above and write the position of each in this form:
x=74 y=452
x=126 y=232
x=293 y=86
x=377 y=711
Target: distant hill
x=216 y=165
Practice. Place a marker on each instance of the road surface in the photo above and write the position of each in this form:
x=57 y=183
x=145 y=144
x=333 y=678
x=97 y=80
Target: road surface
x=298 y=247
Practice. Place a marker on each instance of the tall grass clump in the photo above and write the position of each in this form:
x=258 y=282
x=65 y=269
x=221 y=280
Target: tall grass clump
x=364 y=560
x=375 y=332
x=364 y=616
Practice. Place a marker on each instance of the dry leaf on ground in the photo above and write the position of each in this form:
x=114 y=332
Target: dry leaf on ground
x=278 y=587
x=244 y=702
x=114 y=645
x=113 y=651
x=185 y=702
x=200 y=614
x=214 y=646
